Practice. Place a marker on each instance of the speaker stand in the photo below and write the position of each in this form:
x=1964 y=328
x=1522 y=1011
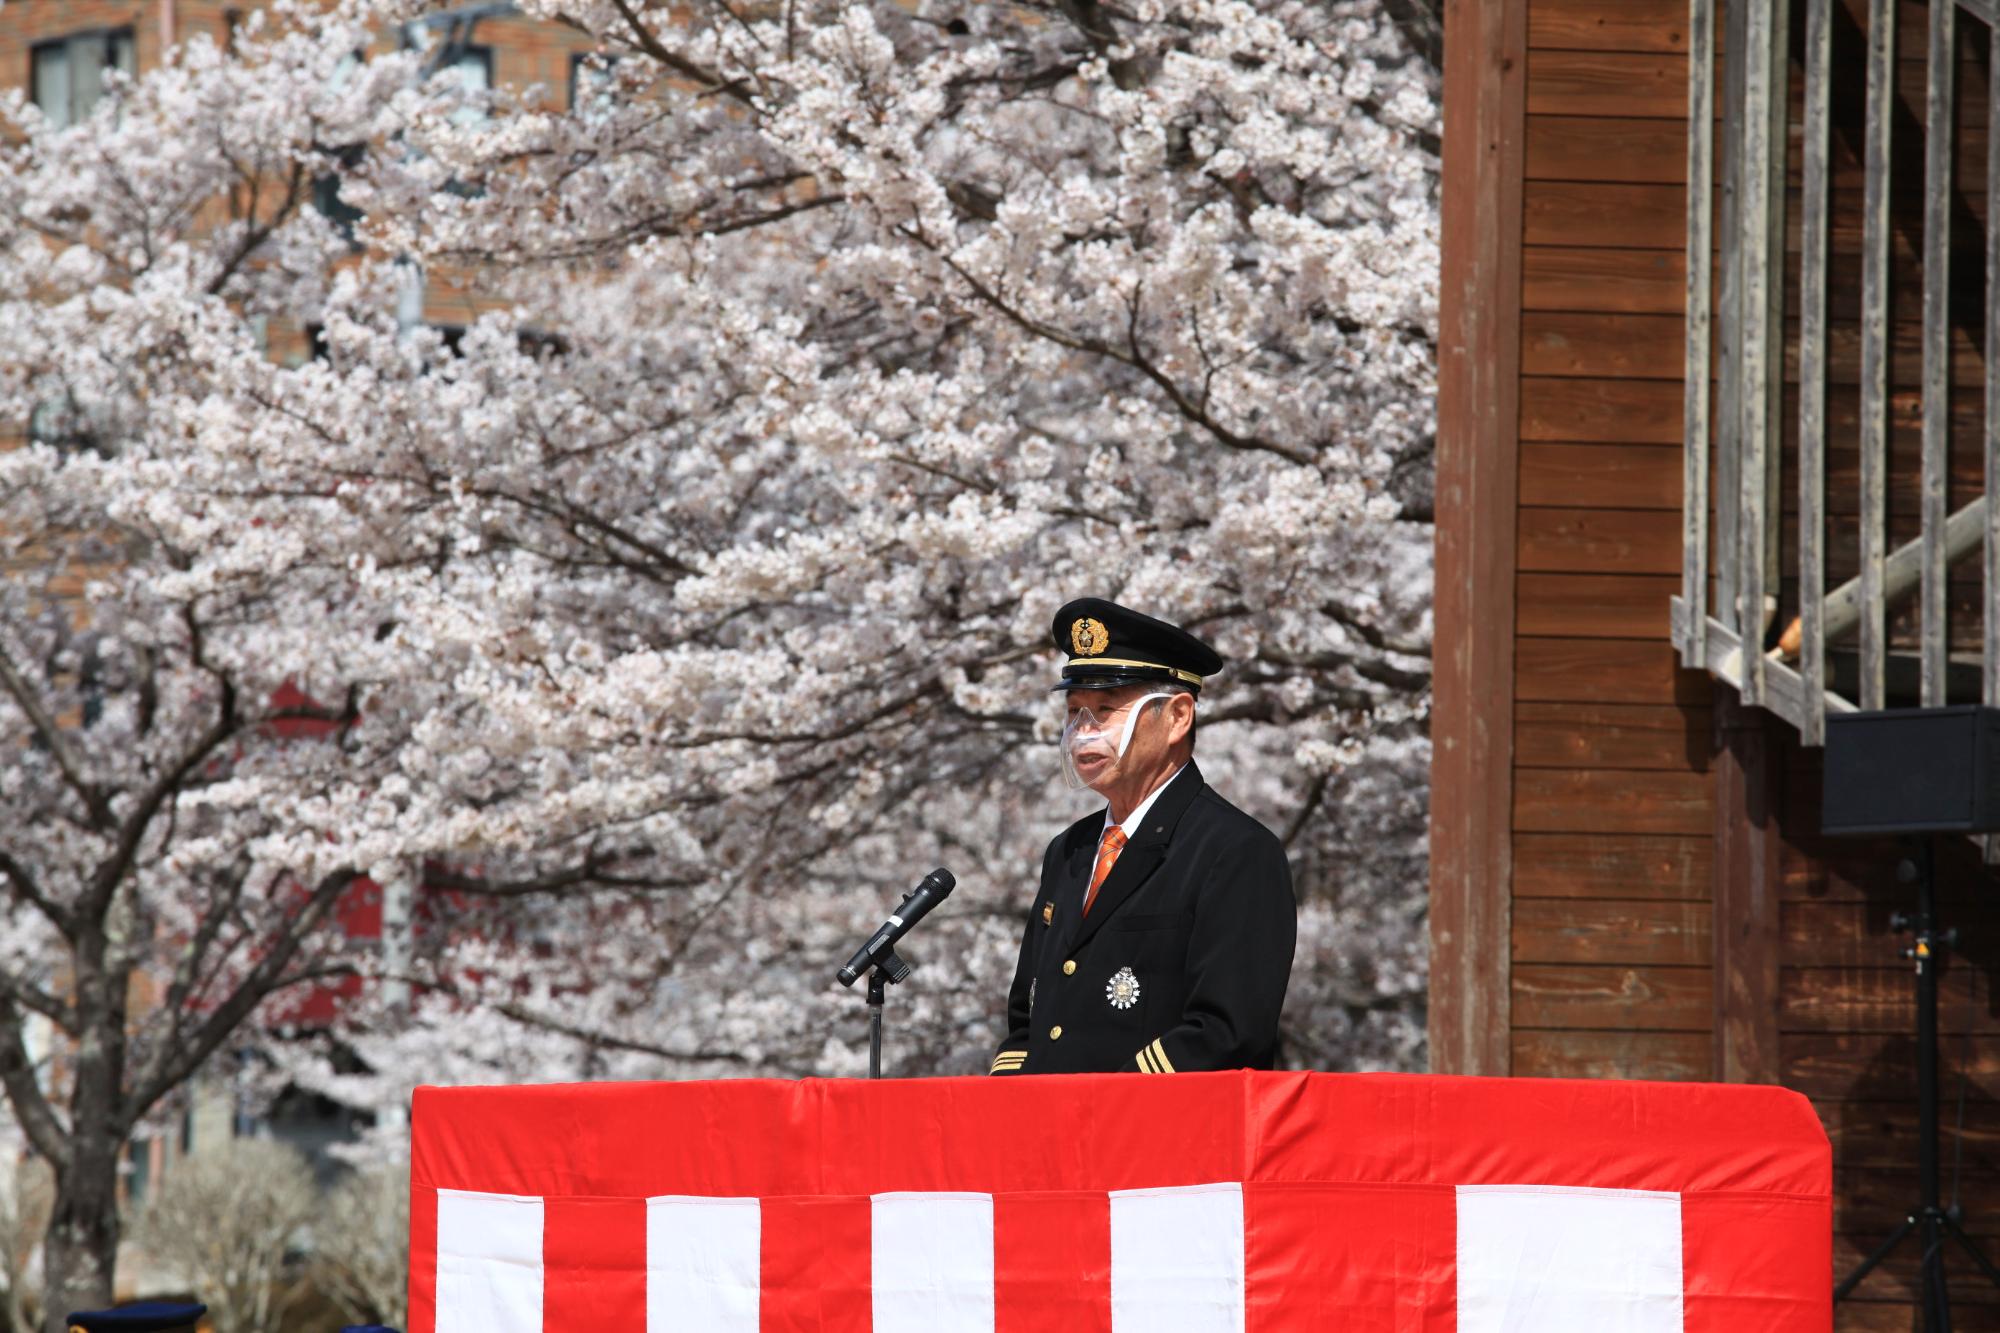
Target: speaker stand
x=1930 y=1221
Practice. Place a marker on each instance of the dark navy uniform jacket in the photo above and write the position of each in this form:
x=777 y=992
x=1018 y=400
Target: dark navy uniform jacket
x=1183 y=960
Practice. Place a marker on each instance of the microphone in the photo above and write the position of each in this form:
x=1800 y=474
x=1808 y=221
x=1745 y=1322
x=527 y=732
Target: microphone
x=916 y=904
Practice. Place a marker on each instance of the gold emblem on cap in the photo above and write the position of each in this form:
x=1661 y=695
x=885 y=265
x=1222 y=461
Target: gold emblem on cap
x=1089 y=637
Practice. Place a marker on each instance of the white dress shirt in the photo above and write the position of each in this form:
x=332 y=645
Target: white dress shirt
x=1132 y=821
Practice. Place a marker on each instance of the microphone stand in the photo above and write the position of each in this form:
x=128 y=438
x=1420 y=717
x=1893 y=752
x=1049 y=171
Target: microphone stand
x=888 y=970
x=878 y=955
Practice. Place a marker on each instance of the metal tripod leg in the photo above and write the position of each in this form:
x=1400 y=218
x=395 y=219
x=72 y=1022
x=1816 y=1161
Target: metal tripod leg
x=1972 y=1248
x=1882 y=1251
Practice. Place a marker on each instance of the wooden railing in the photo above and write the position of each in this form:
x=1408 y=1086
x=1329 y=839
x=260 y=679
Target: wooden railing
x=1766 y=624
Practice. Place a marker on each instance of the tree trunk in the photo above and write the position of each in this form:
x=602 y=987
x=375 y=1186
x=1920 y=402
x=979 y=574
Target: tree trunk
x=80 y=1248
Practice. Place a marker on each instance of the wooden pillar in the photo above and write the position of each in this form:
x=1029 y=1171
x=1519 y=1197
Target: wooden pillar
x=1749 y=785
x=1478 y=447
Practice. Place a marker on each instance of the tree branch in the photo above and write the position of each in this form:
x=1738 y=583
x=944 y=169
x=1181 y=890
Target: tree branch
x=529 y=1018
x=105 y=880
x=256 y=233
x=680 y=64
x=24 y=1091
x=1380 y=672
x=52 y=736
x=170 y=1066
x=204 y=938
x=1134 y=358
x=591 y=871
x=27 y=889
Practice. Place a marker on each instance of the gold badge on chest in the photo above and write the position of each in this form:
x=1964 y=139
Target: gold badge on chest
x=1123 y=989
x=1048 y=913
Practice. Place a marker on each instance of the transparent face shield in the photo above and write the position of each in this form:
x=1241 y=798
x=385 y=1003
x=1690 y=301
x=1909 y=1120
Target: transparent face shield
x=1093 y=745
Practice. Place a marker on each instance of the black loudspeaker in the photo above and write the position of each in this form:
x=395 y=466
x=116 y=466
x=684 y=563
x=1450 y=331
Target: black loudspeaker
x=1913 y=770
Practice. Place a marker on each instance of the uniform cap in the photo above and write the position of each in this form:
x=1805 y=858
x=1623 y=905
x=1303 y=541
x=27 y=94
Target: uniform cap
x=140 y=1317
x=1109 y=646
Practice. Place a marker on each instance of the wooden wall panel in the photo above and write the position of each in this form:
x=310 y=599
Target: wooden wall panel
x=1827 y=931
x=1598 y=998
x=1838 y=1066
x=1569 y=1054
x=1610 y=736
x=1885 y=1303
x=1593 y=606
x=1621 y=281
x=1749 y=877
x=1580 y=341
x=1601 y=411
x=1621 y=25
x=1611 y=671
x=1588 y=800
x=1608 y=541
x=1477 y=481
x=1884 y=1134
x=1628 y=151
x=1879 y=999
x=1647 y=933
x=1613 y=801
x=1607 y=83
x=1593 y=345
x=1564 y=212
x=1621 y=866
x=1601 y=476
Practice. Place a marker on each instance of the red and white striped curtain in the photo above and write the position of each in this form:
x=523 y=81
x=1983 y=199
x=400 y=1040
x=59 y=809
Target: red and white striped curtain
x=1225 y=1202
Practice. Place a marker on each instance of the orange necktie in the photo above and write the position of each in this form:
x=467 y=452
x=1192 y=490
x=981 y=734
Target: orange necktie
x=1107 y=856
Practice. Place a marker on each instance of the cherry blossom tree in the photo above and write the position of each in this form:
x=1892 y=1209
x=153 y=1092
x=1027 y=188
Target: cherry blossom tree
x=643 y=641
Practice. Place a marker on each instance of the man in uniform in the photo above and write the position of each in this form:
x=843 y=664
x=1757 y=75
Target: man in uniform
x=1162 y=937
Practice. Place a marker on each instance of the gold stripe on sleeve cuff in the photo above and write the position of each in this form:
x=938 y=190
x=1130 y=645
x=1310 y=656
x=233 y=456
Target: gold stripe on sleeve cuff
x=1145 y=1059
x=1008 y=1060
x=1154 y=1059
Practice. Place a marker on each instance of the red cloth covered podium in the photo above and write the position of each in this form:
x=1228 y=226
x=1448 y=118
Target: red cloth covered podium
x=1177 y=1204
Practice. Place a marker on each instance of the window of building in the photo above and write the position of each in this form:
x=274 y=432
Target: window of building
x=326 y=186
x=454 y=339
x=593 y=84
x=445 y=39
x=466 y=64
x=472 y=68
x=67 y=424
x=469 y=65
x=66 y=76
x=137 y=1168
x=326 y=195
